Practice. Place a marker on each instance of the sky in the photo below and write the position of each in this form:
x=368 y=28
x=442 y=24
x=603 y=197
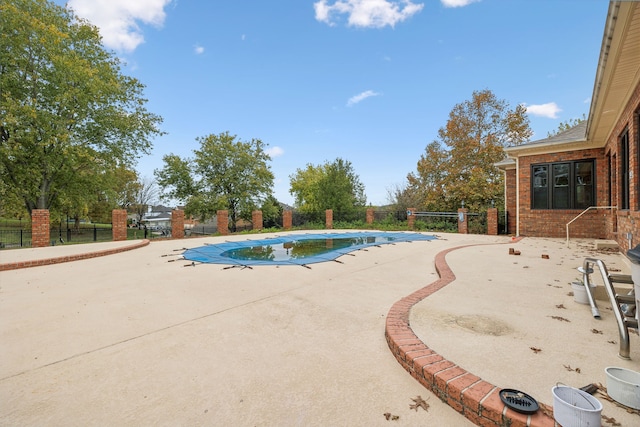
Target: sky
x=368 y=81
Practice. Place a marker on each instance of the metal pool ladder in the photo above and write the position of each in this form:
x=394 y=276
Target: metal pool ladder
x=624 y=322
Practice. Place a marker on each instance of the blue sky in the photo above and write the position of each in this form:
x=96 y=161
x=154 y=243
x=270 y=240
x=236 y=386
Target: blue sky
x=370 y=81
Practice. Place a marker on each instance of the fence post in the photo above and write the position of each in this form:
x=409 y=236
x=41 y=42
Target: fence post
x=223 y=222
x=411 y=218
x=492 y=221
x=370 y=216
x=256 y=220
x=119 y=224
x=177 y=224
x=40 y=228
x=328 y=218
x=287 y=220
x=463 y=221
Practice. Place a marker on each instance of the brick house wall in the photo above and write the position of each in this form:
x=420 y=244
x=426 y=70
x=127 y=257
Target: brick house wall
x=552 y=222
x=510 y=195
x=626 y=221
x=614 y=224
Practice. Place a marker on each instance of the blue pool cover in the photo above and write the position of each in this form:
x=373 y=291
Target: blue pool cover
x=296 y=249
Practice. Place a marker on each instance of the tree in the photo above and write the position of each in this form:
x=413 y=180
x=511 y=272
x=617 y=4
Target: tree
x=564 y=126
x=271 y=212
x=427 y=185
x=224 y=173
x=145 y=192
x=68 y=115
x=460 y=165
x=329 y=186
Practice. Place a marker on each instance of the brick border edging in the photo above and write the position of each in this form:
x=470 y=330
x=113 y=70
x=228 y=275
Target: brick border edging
x=57 y=260
x=476 y=399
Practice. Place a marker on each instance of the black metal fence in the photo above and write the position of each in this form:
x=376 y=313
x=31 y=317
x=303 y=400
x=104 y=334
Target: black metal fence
x=83 y=233
x=202 y=230
x=15 y=238
x=20 y=237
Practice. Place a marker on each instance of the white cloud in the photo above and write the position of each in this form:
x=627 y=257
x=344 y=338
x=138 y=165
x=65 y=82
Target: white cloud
x=199 y=50
x=457 y=3
x=274 y=151
x=367 y=13
x=118 y=19
x=549 y=110
x=361 y=97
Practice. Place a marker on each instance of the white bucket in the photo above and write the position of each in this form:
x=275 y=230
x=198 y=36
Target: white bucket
x=580 y=293
x=623 y=385
x=575 y=408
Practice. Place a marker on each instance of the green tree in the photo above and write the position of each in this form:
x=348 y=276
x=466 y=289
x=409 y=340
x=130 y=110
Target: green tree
x=333 y=185
x=68 y=115
x=271 y=212
x=427 y=185
x=460 y=165
x=224 y=173
x=563 y=126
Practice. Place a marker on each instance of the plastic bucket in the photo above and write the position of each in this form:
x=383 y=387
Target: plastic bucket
x=575 y=408
x=623 y=386
x=580 y=293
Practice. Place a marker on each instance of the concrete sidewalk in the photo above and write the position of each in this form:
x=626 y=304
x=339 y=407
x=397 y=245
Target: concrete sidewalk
x=142 y=338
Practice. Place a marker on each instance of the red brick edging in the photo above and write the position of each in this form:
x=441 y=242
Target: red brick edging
x=77 y=257
x=476 y=399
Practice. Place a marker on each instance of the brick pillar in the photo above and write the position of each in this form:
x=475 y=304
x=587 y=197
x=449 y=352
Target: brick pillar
x=463 y=221
x=119 y=224
x=223 y=222
x=411 y=218
x=256 y=219
x=370 y=216
x=177 y=224
x=287 y=220
x=492 y=221
x=328 y=218
x=510 y=201
x=40 y=228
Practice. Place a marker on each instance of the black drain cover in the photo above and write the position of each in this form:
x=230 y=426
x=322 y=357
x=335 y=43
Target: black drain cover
x=518 y=401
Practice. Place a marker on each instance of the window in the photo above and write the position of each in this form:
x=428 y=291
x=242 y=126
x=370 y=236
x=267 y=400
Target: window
x=624 y=170
x=566 y=185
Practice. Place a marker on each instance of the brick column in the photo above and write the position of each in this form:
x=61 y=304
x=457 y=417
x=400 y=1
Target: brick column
x=40 y=228
x=370 y=216
x=492 y=221
x=223 y=222
x=411 y=218
x=177 y=224
x=119 y=224
x=328 y=218
x=463 y=221
x=287 y=220
x=510 y=200
x=256 y=219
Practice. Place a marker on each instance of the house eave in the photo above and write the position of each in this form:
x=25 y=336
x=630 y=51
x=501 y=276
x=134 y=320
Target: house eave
x=618 y=69
x=507 y=164
x=550 y=147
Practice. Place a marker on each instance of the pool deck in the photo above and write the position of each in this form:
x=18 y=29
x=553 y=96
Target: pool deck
x=137 y=336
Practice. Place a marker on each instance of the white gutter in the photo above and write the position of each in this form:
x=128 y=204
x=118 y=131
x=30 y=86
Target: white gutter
x=612 y=17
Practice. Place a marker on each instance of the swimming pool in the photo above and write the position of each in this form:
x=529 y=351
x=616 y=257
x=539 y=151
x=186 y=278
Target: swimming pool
x=296 y=249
